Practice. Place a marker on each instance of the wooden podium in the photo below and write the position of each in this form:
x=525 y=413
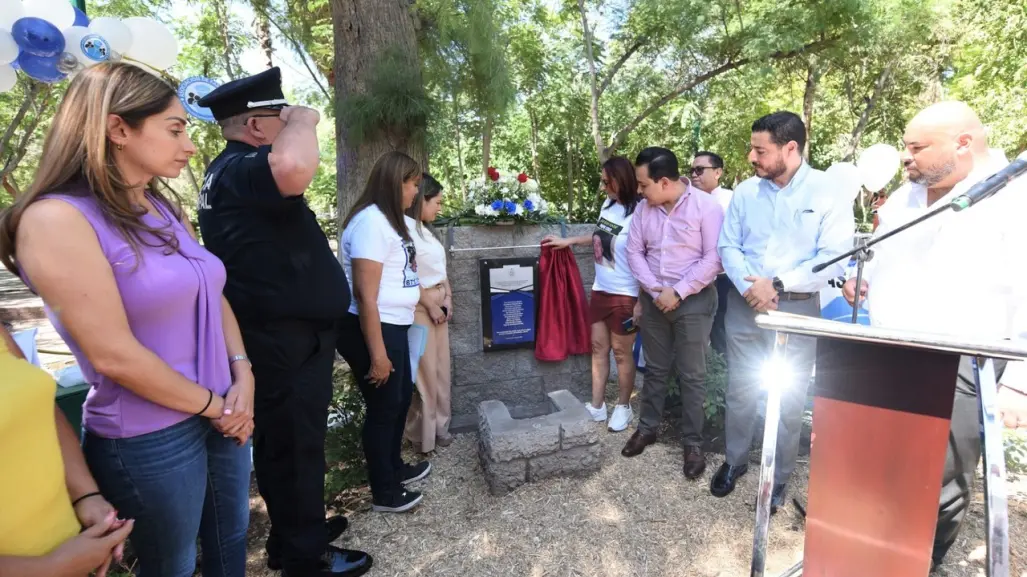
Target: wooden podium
x=882 y=404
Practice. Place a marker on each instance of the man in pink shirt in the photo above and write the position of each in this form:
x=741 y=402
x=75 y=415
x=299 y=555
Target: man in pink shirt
x=672 y=251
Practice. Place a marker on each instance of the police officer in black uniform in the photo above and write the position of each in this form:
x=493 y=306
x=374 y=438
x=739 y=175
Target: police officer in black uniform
x=289 y=292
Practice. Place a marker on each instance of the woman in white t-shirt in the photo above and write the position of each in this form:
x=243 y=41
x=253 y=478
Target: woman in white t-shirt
x=428 y=419
x=613 y=308
x=378 y=257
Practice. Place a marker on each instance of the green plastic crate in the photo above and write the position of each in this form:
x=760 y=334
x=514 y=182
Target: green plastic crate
x=70 y=400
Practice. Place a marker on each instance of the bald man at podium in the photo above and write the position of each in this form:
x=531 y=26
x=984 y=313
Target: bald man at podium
x=957 y=273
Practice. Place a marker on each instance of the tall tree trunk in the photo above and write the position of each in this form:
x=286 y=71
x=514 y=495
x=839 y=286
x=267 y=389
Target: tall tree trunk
x=570 y=173
x=221 y=9
x=808 y=98
x=35 y=90
x=365 y=30
x=486 y=145
x=537 y=171
x=262 y=29
x=459 y=146
x=597 y=131
x=883 y=80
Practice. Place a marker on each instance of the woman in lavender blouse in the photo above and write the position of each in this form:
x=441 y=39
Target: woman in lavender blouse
x=138 y=300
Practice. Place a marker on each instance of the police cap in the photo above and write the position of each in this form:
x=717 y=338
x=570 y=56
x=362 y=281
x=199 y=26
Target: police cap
x=262 y=90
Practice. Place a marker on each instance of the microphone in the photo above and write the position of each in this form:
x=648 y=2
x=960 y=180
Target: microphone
x=991 y=185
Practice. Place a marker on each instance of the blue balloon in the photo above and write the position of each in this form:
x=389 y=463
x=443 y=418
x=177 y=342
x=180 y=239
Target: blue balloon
x=80 y=18
x=37 y=37
x=41 y=68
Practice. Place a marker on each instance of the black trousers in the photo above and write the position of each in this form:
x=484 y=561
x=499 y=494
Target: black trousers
x=718 y=334
x=292 y=366
x=387 y=404
x=961 y=459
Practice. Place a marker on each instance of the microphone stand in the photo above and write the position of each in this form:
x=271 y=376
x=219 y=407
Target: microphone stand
x=863 y=253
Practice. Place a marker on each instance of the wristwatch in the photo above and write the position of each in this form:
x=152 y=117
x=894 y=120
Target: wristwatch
x=778 y=285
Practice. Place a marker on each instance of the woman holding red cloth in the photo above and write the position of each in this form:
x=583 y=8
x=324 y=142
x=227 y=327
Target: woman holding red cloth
x=613 y=307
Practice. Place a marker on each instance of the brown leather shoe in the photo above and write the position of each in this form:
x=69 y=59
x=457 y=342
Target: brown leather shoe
x=637 y=443
x=695 y=462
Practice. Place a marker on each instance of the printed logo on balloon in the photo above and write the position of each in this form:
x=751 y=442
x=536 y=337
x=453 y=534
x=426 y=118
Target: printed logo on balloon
x=191 y=90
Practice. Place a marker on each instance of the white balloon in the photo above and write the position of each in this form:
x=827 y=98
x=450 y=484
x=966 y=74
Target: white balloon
x=10 y=12
x=114 y=32
x=8 y=77
x=94 y=53
x=160 y=50
x=878 y=165
x=8 y=48
x=60 y=13
x=846 y=179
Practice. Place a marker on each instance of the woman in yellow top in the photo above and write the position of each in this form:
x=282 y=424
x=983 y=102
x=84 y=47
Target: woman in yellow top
x=47 y=494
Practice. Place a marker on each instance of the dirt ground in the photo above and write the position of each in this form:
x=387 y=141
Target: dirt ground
x=636 y=517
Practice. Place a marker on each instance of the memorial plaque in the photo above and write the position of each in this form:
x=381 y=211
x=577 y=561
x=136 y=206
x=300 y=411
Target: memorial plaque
x=509 y=297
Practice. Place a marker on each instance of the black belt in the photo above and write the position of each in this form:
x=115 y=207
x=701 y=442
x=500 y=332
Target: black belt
x=787 y=296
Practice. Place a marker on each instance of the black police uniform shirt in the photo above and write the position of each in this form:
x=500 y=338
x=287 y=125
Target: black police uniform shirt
x=279 y=263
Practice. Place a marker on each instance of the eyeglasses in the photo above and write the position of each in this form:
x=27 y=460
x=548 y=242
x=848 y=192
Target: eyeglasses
x=698 y=170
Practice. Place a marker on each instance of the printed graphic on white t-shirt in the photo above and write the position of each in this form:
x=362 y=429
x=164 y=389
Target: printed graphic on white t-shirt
x=610 y=247
x=410 y=270
x=604 y=242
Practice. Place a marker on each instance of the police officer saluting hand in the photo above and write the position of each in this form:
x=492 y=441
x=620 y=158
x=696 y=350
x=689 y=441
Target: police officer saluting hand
x=288 y=291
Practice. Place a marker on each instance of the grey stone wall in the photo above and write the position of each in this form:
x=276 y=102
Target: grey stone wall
x=514 y=377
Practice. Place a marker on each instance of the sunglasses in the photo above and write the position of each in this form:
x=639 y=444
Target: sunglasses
x=698 y=170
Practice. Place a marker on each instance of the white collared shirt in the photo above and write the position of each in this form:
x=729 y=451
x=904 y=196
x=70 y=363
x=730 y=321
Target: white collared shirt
x=723 y=197
x=784 y=232
x=959 y=273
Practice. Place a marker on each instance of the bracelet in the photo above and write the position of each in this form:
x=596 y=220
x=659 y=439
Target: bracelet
x=86 y=496
x=210 y=399
x=232 y=359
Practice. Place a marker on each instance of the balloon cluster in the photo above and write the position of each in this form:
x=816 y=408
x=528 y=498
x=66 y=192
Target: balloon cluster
x=874 y=170
x=49 y=40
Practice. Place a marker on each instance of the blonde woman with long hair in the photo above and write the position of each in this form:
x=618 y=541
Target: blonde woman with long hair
x=139 y=302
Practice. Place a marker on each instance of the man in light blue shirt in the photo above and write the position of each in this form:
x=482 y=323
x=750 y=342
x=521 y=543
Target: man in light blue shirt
x=777 y=228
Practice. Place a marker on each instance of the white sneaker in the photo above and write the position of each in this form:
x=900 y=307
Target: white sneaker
x=598 y=415
x=621 y=418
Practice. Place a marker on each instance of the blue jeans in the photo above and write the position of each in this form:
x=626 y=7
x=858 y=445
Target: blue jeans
x=179 y=483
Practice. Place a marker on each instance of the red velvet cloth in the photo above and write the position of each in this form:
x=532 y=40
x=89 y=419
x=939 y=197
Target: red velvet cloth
x=563 y=311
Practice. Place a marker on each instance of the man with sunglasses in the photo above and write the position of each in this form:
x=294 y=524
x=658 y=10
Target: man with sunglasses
x=288 y=291
x=707 y=169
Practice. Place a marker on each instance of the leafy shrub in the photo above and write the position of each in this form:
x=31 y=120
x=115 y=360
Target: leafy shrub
x=714 y=405
x=343 y=446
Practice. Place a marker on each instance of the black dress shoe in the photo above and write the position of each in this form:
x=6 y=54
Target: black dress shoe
x=724 y=481
x=336 y=525
x=777 y=498
x=637 y=443
x=336 y=562
x=695 y=462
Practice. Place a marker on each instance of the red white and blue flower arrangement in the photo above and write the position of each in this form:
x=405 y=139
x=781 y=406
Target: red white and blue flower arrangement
x=504 y=198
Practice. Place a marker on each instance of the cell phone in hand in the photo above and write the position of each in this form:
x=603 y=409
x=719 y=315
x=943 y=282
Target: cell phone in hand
x=629 y=325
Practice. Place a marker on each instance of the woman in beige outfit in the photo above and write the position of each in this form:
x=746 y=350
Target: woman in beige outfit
x=428 y=419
